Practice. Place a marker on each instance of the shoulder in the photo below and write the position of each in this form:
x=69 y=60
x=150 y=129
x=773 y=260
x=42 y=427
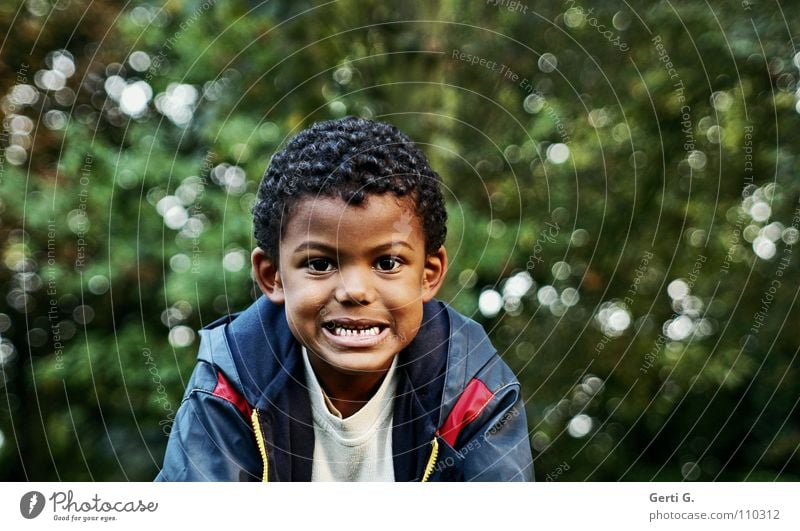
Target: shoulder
x=218 y=371
x=478 y=381
x=215 y=374
x=252 y=350
x=473 y=356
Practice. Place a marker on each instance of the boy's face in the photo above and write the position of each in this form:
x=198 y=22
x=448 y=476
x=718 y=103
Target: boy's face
x=353 y=279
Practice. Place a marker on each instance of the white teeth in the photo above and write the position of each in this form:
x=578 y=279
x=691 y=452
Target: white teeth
x=341 y=331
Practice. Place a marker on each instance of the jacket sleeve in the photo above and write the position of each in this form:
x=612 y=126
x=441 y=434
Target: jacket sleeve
x=497 y=447
x=211 y=439
x=485 y=435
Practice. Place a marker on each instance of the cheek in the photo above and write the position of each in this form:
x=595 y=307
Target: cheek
x=409 y=290
x=409 y=323
x=403 y=298
x=305 y=298
x=408 y=296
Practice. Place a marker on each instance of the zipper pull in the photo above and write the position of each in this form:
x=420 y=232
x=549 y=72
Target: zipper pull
x=431 y=460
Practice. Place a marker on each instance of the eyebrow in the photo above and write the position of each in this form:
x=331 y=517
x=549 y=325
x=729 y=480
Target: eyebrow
x=324 y=247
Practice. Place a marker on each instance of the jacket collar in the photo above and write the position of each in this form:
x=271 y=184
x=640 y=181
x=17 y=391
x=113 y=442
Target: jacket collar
x=419 y=394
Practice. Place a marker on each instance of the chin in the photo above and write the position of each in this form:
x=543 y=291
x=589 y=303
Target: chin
x=358 y=363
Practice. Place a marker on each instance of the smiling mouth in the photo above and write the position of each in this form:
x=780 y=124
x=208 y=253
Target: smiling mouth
x=345 y=329
x=349 y=332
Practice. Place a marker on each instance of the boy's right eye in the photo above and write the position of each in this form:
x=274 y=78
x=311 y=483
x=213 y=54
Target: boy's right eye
x=319 y=265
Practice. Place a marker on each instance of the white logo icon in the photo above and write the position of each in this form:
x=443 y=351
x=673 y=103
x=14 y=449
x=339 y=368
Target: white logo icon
x=31 y=504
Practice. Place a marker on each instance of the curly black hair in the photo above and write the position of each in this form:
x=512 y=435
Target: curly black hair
x=350 y=158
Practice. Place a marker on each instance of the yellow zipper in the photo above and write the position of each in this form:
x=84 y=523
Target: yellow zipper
x=431 y=460
x=262 y=448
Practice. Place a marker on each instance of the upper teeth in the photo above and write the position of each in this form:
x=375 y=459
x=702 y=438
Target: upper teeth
x=341 y=331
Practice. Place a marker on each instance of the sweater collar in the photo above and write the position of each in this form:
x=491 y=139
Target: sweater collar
x=373 y=413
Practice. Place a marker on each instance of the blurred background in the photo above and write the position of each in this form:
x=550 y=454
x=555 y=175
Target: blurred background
x=622 y=183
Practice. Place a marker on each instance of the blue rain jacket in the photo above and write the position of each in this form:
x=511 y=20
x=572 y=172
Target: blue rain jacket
x=246 y=414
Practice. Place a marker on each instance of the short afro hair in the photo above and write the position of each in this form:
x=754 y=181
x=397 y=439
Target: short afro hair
x=350 y=158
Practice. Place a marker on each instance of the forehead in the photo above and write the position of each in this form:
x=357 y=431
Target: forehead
x=379 y=218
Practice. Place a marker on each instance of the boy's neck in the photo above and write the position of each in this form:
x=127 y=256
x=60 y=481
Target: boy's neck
x=347 y=392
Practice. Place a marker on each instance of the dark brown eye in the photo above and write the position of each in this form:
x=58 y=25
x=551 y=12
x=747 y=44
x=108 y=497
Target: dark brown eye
x=387 y=263
x=320 y=265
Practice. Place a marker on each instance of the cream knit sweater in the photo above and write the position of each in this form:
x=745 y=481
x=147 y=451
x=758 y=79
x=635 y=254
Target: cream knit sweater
x=358 y=448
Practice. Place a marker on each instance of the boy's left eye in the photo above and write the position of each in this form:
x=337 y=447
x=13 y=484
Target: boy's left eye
x=319 y=265
x=387 y=263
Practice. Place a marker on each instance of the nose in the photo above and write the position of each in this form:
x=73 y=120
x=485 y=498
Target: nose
x=355 y=286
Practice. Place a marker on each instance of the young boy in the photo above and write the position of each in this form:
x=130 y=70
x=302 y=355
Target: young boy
x=347 y=368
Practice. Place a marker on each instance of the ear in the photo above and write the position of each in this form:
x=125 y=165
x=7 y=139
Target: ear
x=266 y=274
x=433 y=276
